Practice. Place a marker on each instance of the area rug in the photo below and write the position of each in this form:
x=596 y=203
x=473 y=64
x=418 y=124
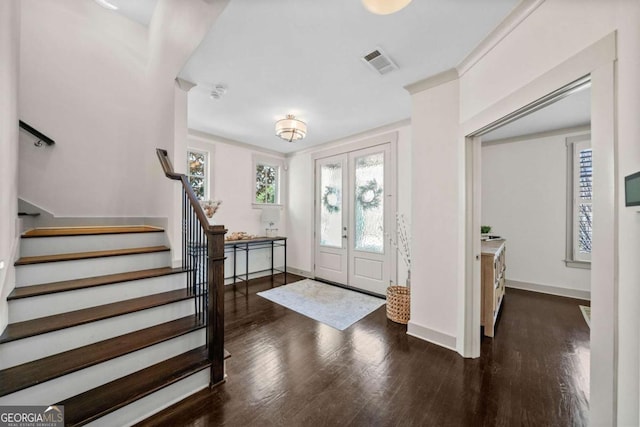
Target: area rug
x=331 y=305
x=586 y=312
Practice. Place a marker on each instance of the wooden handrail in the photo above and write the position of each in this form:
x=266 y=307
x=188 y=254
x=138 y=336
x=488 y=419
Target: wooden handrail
x=167 y=167
x=214 y=274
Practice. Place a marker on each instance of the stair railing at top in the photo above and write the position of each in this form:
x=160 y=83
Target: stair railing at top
x=35 y=132
x=203 y=258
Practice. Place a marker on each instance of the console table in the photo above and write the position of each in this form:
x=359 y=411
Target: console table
x=247 y=245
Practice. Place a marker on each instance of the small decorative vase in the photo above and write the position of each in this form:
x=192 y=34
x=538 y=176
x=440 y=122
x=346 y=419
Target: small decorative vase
x=212 y=221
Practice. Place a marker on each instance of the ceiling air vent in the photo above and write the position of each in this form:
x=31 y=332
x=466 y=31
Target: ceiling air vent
x=379 y=61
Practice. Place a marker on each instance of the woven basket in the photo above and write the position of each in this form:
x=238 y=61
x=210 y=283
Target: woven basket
x=398 y=304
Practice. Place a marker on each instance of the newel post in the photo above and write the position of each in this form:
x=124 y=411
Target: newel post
x=215 y=329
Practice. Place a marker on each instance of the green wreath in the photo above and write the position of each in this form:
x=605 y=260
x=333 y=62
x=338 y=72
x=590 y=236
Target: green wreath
x=369 y=195
x=331 y=200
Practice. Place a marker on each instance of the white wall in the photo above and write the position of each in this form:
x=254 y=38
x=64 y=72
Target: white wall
x=231 y=179
x=437 y=227
x=9 y=46
x=102 y=86
x=300 y=212
x=524 y=200
x=301 y=193
x=516 y=71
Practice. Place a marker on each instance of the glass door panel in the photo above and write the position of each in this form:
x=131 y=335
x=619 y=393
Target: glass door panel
x=369 y=203
x=331 y=205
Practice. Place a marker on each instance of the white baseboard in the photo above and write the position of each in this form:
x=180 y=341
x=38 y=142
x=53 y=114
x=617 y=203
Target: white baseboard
x=307 y=274
x=432 y=336
x=551 y=290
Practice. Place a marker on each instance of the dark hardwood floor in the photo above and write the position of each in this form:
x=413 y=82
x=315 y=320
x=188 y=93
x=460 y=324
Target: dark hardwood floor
x=289 y=370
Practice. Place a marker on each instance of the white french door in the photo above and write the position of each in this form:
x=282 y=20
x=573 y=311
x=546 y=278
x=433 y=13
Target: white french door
x=352 y=217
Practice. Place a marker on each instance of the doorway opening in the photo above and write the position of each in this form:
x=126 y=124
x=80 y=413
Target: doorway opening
x=536 y=200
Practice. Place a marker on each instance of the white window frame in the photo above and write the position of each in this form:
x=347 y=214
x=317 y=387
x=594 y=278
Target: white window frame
x=279 y=165
x=207 y=163
x=574 y=145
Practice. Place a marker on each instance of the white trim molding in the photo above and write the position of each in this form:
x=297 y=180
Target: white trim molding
x=185 y=85
x=548 y=289
x=351 y=139
x=431 y=335
x=433 y=81
x=211 y=138
x=299 y=272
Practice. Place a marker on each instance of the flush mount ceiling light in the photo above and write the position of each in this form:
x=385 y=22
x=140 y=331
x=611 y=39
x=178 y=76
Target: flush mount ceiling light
x=291 y=129
x=106 y=4
x=384 y=7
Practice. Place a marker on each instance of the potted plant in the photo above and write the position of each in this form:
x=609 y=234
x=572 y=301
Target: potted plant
x=399 y=297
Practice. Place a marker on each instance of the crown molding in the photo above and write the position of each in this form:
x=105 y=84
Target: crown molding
x=213 y=139
x=433 y=81
x=511 y=22
x=185 y=85
x=352 y=138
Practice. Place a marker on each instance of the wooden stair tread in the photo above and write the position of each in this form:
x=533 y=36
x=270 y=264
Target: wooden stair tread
x=88 y=255
x=38 y=371
x=29 y=328
x=89 y=282
x=95 y=403
x=88 y=231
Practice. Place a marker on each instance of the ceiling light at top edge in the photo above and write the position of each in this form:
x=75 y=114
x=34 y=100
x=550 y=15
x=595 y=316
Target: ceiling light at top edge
x=107 y=5
x=385 y=7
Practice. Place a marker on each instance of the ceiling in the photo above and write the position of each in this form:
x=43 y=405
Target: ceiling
x=303 y=57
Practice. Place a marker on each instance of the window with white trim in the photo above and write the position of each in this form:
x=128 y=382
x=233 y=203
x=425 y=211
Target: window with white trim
x=267 y=181
x=197 y=172
x=580 y=220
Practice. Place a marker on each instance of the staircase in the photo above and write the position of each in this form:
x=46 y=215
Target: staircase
x=100 y=323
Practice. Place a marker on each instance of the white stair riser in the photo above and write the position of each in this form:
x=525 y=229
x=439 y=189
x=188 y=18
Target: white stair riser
x=35 y=246
x=154 y=403
x=62 y=302
x=78 y=382
x=67 y=270
x=25 y=350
